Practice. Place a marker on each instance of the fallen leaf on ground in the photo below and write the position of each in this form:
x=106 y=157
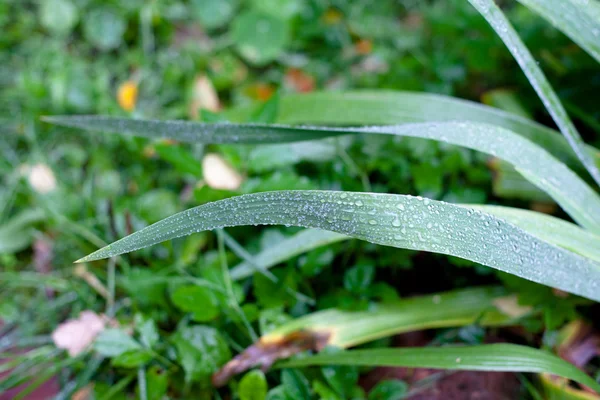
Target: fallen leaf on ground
x=76 y=335
x=218 y=174
x=265 y=352
x=204 y=97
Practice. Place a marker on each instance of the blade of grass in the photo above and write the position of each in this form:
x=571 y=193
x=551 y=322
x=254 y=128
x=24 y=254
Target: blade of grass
x=239 y=250
x=184 y=131
x=386 y=107
x=490 y=11
x=579 y=20
x=352 y=328
x=545 y=227
x=387 y=219
x=490 y=357
x=535 y=164
x=343 y=329
x=549 y=229
x=301 y=242
x=363 y=107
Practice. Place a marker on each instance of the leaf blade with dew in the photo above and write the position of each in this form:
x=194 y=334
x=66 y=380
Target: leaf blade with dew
x=184 y=131
x=387 y=107
x=443 y=310
x=498 y=21
x=545 y=227
x=550 y=229
x=578 y=20
x=392 y=220
x=541 y=168
x=489 y=357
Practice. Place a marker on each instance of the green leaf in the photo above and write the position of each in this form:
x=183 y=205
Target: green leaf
x=386 y=107
x=490 y=11
x=302 y=242
x=253 y=386
x=58 y=16
x=146 y=328
x=157 y=381
x=16 y=233
x=181 y=158
x=213 y=13
x=201 y=351
x=295 y=385
x=342 y=379
x=442 y=310
x=393 y=389
x=535 y=164
x=392 y=220
x=267 y=112
x=114 y=342
x=25 y=279
x=550 y=229
x=283 y=9
x=358 y=278
x=185 y=131
x=491 y=357
x=276 y=156
x=104 y=27
x=259 y=37
x=132 y=358
x=324 y=392
x=579 y=20
x=196 y=299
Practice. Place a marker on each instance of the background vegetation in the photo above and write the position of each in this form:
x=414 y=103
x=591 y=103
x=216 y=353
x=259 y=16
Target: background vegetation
x=171 y=317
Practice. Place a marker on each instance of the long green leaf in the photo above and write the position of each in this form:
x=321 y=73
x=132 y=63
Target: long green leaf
x=542 y=169
x=386 y=107
x=450 y=309
x=545 y=227
x=184 y=131
x=579 y=20
x=491 y=357
x=391 y=220
x=490 y=11
x=549 y=229
x=381 y=107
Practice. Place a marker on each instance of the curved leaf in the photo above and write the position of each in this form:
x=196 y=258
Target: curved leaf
x=490 y=357
x=545 y=227
x=485 y=306
x=391 y=220
x=351 y=328
x=579 y=20
x=387 y=107
x=490 y=11
x=543 y=170
x=549 y=229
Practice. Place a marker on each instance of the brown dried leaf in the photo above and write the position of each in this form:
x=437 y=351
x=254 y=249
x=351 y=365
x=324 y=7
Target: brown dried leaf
x=265 y=352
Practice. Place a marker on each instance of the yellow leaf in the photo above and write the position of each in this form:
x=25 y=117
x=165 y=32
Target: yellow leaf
x=127 y=95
